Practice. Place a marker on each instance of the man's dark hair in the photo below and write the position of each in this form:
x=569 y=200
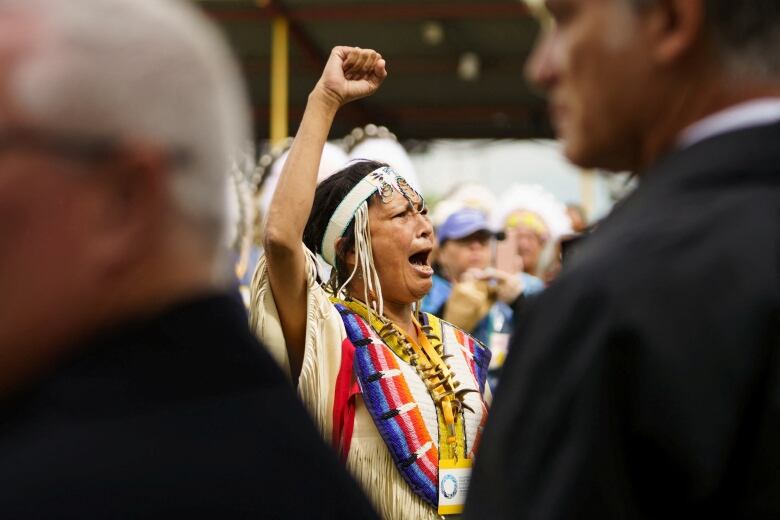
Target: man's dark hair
x=327 y=197
x=745 y=32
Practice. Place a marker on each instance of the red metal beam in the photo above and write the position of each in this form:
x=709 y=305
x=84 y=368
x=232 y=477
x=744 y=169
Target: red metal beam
x=375 y=12
x=238 y=14
x=402 y=65
x=419 y=11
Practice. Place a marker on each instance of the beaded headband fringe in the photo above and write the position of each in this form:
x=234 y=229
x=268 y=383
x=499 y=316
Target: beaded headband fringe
x=384 y=181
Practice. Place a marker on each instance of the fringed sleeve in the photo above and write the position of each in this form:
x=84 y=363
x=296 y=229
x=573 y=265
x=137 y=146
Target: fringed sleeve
x=324 y=334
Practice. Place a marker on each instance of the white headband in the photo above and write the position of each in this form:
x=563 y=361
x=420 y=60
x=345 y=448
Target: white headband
x=383 y=180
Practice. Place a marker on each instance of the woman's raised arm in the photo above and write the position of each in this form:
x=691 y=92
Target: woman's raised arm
x=350 y=73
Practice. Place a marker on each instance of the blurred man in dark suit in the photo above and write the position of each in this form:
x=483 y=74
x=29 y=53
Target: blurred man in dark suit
x=648 y=382
x=130 y=384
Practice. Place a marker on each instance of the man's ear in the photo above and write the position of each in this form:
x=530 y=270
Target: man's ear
x=133 y=203
x=677 y=28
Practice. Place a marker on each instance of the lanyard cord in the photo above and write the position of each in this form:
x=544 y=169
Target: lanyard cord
x=429 y=361
x=438 y=378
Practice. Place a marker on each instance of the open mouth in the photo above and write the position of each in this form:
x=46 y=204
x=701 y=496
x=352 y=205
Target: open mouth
x=420 y=262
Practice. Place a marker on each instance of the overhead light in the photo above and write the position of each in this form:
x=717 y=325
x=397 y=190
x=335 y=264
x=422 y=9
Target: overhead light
x=534 y=5
x=469 y=66
x=538 y=9
x=432 y=33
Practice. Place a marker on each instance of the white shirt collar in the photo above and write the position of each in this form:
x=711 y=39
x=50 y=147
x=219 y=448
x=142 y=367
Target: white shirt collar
x=757 y=112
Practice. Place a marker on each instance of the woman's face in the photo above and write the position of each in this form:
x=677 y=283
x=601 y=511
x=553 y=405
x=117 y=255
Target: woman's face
x=529 y=247
x=402 y=241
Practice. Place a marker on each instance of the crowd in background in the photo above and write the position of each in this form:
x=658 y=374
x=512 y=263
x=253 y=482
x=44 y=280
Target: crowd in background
x=491 y=253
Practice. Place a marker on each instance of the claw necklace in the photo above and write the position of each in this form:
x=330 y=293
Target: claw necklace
x=427 y=357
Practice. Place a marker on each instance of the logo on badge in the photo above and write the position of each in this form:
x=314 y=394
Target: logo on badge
x=449 y=486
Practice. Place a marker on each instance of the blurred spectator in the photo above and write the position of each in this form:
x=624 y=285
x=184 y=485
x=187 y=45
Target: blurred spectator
x=266 y=178
x=466 y=291
x=466 y=195
x=577 y=216
x=534 y=221
x=130 y=384
x=377 y=143
x=241 y=217
x=649 y=381
x=333 y=159
x=531 y=236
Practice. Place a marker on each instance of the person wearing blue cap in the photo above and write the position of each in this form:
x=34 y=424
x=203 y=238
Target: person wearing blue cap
x=468 y=292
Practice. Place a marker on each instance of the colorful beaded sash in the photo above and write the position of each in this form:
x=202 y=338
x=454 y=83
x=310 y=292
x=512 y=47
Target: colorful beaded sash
x=392 y=406
x=480 y=356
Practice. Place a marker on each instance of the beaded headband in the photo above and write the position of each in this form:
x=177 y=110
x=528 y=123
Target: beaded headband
x=383 y=180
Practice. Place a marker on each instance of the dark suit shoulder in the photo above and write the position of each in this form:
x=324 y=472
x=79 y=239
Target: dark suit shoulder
x=185 y=414
x=727 y=242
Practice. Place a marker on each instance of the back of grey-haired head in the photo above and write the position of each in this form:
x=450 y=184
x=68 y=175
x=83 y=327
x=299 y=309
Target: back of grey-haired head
x=746 y=34
x=151 y=70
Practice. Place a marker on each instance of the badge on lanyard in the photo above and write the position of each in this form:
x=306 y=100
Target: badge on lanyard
x=454 y=479
x=499 y=345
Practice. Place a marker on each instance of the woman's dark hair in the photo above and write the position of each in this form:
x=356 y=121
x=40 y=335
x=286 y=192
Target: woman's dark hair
x=327 y=197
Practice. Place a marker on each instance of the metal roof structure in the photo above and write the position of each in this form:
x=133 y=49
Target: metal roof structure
x=425 y=44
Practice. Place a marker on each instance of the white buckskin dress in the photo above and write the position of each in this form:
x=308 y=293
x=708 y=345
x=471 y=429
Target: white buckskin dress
x=368 y=457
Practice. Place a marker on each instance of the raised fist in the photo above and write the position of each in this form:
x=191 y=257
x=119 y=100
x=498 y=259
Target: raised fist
x=351 y=73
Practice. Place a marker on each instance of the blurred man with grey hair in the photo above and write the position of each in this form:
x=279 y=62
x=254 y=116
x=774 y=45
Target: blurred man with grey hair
x=130 y=384
x=647 y=379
